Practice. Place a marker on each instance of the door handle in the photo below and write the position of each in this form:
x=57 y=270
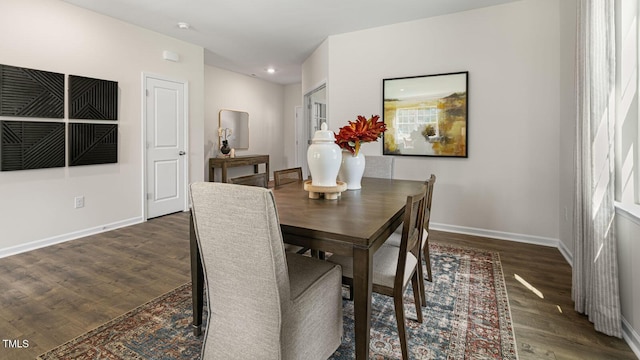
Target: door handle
x=181 y=153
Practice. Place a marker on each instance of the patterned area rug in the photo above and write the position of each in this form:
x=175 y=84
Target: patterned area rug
x=467 y=317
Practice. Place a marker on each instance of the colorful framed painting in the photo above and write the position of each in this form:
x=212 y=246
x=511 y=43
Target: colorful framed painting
x=426 y=115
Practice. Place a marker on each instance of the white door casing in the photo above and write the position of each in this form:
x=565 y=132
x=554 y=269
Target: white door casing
x=315 y=112
x=165 y=146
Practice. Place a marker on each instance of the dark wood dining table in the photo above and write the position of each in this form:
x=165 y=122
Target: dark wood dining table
x=356 y=225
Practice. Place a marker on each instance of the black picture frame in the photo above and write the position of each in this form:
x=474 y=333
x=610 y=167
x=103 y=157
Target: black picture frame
x=426 y=115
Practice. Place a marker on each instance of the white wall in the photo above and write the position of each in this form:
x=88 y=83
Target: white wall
x=627 y=230
x=508 y=186
x=264 y=101
x=316 y=68
x=36 y=206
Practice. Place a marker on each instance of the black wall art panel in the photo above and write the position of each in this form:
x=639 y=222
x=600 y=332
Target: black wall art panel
x=92 y=99
x=31 y=93
x=93 y=144
x=31 y=145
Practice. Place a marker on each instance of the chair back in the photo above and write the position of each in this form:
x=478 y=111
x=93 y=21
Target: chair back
x=285 y=176
x=411 y=233
x=379 y=167
x=259 y=180
x=430 y=184
x=243 y=258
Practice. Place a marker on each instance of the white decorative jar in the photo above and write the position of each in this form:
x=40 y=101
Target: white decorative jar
x=324 y=157
x=352 y=169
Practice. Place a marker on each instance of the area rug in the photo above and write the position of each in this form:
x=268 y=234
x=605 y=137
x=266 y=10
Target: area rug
x=467 y=317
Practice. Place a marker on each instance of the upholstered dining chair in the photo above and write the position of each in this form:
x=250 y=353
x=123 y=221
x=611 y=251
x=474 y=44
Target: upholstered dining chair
x=251 y=180
x=260 y=180
x=378 y=167
x=394 y=267
x=263 y=303
x=394 y=238
x=285 y=176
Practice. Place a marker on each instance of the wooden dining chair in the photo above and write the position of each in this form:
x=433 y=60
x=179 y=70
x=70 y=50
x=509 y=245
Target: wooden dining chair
x=263 y=303
x=394 y=267
x=378 y=167
x=285 y=176
x=259 y=180
x=394 y=238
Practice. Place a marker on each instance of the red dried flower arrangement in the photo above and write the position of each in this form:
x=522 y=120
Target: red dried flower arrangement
x=363 y=130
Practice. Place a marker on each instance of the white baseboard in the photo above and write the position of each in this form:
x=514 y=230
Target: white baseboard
x=67 y=237
x=565 y=252
x=529 y=239
x=631 y=337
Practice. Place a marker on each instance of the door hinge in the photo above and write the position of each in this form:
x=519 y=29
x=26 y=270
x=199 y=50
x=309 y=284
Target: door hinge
x=146 y=91
x=149 y=196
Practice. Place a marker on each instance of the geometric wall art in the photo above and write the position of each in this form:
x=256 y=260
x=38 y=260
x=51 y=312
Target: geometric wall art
x=92 y=99
x=31 y=145
x=93 y=144
x=31 y=93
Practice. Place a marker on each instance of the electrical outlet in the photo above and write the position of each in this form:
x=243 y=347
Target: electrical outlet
x=79 y=202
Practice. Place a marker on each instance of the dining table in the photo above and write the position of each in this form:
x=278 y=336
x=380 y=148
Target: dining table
x=356 y=224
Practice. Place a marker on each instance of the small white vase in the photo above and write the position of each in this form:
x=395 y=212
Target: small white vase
x=323 y=158
x=352 y=169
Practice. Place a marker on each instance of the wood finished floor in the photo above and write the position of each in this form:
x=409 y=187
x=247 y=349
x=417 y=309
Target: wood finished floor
x=52 y=295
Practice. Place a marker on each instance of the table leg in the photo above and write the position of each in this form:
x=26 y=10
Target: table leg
x=197 y=279
x=362 y=287
x=224 y=173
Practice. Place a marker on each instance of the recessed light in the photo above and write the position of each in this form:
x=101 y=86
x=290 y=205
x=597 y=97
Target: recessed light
x=271 y=70
x=184 y=26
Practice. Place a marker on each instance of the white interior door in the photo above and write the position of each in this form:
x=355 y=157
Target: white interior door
x=166 y=170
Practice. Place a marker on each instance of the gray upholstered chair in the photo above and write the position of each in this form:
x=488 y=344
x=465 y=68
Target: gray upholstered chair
x=261 y=181
x=285 y=176
x=251 y=180
x=394 y=239
x=263 y=303
x=378 y=167
x=394 y=267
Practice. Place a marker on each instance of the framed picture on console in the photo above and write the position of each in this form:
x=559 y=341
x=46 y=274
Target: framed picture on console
x=426 y=115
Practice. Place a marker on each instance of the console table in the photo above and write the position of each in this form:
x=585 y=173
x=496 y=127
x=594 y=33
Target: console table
x=225 y=163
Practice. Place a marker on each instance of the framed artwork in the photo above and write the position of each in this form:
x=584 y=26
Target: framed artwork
x=426 y=115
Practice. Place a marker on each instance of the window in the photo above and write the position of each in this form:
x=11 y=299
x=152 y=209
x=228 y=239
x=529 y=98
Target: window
x=627 y=141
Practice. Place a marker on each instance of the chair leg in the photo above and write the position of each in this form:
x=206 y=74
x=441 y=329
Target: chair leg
x=427 y=259
x=421 y=286
x=418 y=299
x=318 y=254
x=402 y=331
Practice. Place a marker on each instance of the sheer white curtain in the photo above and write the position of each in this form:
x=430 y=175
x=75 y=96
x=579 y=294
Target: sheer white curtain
x=595 y=268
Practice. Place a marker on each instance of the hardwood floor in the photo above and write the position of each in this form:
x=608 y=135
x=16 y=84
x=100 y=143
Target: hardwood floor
x=51 y=295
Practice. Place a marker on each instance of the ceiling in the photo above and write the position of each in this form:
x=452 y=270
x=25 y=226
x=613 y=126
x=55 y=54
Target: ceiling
x=249 y=36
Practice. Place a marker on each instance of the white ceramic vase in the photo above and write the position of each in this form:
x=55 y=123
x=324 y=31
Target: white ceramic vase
x=352 y=169
x=324 y=158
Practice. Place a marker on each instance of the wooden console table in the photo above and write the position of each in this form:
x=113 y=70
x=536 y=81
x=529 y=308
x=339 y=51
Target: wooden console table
x=225 y=163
